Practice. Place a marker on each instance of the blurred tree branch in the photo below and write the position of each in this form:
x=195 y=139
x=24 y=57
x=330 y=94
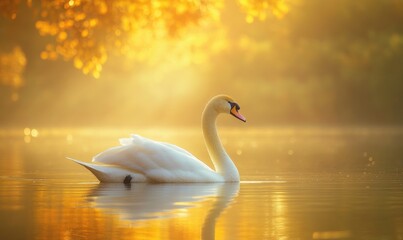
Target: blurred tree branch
x=87 y=31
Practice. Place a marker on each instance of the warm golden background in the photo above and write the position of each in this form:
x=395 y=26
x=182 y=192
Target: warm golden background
x=319 y=81
x=156 y=63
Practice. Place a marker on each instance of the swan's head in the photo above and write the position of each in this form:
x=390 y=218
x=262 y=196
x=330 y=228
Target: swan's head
x=225 y=104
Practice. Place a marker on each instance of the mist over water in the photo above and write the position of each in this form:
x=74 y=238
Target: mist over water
x=295 y=184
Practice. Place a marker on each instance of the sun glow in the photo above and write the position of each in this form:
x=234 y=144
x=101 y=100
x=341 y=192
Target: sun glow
x=165 y=54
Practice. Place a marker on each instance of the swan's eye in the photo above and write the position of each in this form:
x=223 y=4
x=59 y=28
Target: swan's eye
x=232 y=104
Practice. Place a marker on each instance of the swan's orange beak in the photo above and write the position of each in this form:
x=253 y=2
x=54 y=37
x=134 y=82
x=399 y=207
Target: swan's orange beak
x=235 y=113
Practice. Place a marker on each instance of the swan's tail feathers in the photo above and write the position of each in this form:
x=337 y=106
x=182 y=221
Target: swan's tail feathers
x=111 y=173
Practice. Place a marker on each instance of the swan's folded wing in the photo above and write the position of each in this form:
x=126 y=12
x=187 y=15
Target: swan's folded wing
x=110 y=173
x=137 y=139
x=157 y=161
x=179 y=149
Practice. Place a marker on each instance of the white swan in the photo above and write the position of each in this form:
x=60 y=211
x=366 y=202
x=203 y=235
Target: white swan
x=139 y=159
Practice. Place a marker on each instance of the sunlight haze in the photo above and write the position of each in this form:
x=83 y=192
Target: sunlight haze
x=288 y=62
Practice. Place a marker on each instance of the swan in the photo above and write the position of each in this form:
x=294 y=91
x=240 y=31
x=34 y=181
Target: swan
x=139 y=159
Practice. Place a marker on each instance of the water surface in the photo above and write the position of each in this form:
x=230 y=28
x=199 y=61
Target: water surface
x=296 y=184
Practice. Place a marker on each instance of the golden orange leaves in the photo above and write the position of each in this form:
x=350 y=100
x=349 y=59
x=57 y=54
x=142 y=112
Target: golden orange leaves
x=260 y=9
x=86 y=32
x=74 y=24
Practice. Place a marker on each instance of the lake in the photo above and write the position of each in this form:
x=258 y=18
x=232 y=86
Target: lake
x=296 y=183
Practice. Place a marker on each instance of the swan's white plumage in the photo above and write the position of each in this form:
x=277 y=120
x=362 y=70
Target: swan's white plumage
x=111 y=173
x=140 y=159
x=157 y=161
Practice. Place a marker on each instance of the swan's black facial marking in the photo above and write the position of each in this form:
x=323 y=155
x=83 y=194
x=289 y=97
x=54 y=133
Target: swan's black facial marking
x=232 y=104
x=234 y=111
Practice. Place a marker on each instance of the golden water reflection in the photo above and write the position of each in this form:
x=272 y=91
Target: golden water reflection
x=121 y=211
x=266 y=210
x=45 y=196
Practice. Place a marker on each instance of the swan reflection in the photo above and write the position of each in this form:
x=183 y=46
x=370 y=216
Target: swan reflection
x=144 y=201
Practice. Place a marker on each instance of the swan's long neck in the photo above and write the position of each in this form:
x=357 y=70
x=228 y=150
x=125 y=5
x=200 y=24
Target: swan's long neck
x=222 y=162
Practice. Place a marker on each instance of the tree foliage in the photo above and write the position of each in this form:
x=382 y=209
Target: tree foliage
x=294 y=61
x=86 y=32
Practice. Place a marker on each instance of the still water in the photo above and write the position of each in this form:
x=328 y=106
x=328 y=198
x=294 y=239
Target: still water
x=296 y=184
